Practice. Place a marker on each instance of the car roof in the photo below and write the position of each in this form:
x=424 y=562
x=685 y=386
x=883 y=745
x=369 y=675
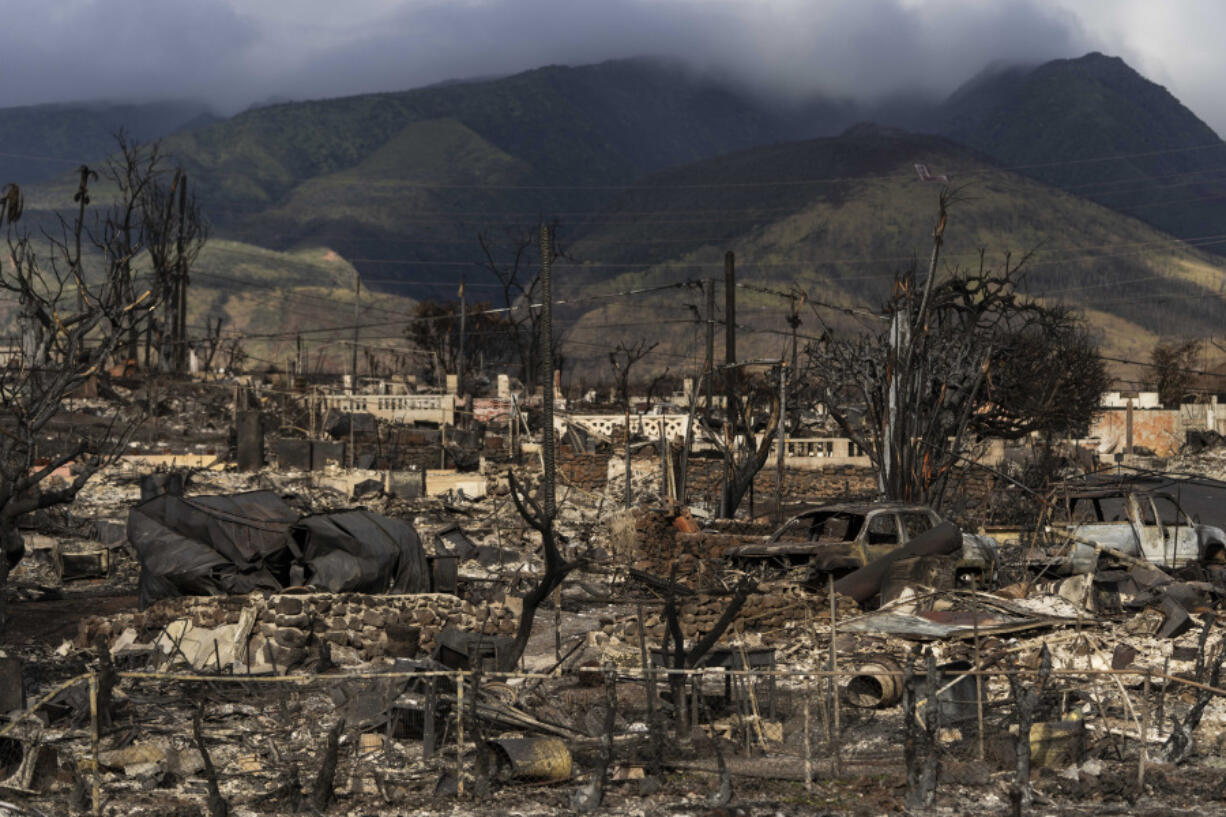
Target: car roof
x=863 y=507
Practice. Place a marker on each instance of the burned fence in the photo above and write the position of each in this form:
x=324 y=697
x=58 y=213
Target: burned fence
x=413 y=732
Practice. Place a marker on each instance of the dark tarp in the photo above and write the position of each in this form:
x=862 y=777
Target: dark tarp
x=221 y=545
x=210 y=545
x=359 y=552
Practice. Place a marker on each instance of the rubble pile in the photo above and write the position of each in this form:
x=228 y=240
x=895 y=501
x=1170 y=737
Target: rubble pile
x=306 y=695
x=775 y=611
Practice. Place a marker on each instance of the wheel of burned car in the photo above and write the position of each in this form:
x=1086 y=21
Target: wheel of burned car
x=1215 y=552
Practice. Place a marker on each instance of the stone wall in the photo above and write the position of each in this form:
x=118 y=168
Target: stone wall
x=284 y=630
x=835 y=484
x=583 y=470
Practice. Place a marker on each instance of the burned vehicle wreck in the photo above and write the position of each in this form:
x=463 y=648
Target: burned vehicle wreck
x=1145 y=525
x=840 y=538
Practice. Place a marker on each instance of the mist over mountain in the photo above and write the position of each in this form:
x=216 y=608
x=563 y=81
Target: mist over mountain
x=651 y=167
x=1097 y=128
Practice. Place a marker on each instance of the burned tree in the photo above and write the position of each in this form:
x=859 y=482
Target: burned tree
x=540 y=516
x=77 y=304
x=622 y=358
x=952 y=361
x=1175 y=365
x=173 y=233
x=436 y=329
x=748 y=438
x=514 y=263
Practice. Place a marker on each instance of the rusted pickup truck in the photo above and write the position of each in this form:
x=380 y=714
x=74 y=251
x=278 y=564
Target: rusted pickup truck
x=1145 y=525
x=843 y=537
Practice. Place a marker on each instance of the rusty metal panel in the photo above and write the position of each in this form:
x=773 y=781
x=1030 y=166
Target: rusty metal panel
x=543 y=760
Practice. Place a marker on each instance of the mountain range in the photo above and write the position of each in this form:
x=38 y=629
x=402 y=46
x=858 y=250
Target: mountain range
x=652 y=172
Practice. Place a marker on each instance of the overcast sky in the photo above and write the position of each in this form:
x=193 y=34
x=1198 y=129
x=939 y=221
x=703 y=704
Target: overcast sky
x=235 y=52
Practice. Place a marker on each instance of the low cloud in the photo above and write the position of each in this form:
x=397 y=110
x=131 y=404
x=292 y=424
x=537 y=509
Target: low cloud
x=233 y=53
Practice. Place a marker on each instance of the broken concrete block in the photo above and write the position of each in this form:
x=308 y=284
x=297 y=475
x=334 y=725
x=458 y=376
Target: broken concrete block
x=132 y=759
x=1078 y=590
x=1057 y=744
x=94 y=564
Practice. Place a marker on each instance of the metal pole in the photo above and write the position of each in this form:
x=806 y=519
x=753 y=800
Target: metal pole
x=547 y=343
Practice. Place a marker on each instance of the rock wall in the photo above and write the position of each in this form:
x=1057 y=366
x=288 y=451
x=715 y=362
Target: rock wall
x=583 y=470
x=286 y=629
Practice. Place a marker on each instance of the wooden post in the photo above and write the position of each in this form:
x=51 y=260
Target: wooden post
x=649 y=688
x=808 y=739
x=459 y=734
x=628 y=497
x=834 y=679
x=94 y=737
x=427 y=728
x=978 y=677
x=1143 y=757
x=557 y=624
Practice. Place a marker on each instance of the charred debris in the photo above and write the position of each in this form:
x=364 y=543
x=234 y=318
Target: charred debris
x=214 y=629
x=272 y=596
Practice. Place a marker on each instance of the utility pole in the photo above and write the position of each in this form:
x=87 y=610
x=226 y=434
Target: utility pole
x=547 y=341
x=180 y=350
x=709 y=285
x=730 y=399
x=783 y=425
x=357 y=304
x=730 y=332
x=460 y=365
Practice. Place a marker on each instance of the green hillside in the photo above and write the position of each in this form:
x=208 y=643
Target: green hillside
x=403 y=180
x=1058 y=121
x=267 y=297
x=836 y=217
x=38 y=142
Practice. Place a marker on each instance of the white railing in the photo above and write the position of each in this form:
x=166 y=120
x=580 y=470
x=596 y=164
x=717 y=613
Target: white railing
x=397 y=408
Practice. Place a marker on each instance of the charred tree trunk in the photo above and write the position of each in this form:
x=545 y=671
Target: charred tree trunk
x=556 y=571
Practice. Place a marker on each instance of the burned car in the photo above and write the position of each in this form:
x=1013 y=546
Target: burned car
x=1146 y=525
x=843 y=537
